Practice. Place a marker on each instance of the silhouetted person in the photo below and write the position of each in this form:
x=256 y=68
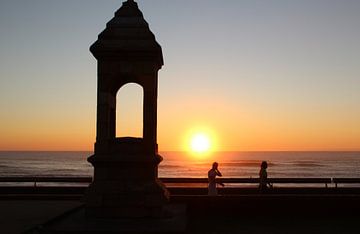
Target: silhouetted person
x=213 y=172
x=263 y=183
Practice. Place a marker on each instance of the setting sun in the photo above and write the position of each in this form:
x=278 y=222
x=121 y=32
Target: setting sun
x=200 y=143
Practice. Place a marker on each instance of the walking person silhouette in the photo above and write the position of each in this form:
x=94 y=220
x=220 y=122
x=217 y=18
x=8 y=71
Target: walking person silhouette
x=212 y=173
x=263 y=182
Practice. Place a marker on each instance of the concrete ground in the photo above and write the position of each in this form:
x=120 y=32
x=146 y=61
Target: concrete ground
x=284 y=224
x=211 y=215
x=18 y=216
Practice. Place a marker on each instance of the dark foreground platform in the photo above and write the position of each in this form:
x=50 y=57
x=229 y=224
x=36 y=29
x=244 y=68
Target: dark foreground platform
x=76 y=222
x=249 y=214
x=236 y=210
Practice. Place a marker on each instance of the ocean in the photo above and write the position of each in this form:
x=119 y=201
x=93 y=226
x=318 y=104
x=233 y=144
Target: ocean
x=181 y=164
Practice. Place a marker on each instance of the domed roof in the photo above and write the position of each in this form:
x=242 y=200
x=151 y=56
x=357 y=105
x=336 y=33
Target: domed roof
x=127 y=36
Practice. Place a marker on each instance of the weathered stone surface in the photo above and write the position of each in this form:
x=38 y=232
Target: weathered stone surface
x=125 y=180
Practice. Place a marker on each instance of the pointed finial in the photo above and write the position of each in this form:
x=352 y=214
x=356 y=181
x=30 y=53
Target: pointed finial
x=130 y=2
x=129 y=9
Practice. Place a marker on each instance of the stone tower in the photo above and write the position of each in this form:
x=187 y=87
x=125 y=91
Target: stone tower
x=125 y=182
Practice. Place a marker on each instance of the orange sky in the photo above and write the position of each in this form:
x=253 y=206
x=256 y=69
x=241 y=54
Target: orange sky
x=232 y=126
x=272 y=76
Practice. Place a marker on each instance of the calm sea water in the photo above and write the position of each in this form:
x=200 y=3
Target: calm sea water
x=180 y=164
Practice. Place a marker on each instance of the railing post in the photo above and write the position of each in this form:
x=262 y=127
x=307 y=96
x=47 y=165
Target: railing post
x=332 y=180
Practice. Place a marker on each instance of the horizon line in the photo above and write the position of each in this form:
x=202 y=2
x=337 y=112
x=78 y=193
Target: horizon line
x=217 y=151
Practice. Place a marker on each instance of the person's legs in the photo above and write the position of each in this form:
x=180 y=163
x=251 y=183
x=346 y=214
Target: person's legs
x=212 y=189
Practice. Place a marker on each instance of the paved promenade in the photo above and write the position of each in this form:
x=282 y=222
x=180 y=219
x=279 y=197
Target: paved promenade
x=273 y=214
x=17 y=216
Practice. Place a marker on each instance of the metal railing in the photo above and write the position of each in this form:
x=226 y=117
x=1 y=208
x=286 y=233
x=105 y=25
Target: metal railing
x=324 y=181
x=337 y=181
x=86 y=180
x=44 y=179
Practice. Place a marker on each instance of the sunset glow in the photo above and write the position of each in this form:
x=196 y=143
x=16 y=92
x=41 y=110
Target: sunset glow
x=200 y=143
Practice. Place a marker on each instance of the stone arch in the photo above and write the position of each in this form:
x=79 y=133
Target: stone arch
x=129 y=111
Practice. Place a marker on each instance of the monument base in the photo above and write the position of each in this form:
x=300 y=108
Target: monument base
x=125 y=182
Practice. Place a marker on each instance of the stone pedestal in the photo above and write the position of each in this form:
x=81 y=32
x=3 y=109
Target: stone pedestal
x=125 y=183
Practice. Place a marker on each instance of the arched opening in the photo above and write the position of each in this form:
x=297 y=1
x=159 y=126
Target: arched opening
x=129 y=111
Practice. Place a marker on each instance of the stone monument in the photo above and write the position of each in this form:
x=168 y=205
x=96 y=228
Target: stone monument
x=125 y=182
